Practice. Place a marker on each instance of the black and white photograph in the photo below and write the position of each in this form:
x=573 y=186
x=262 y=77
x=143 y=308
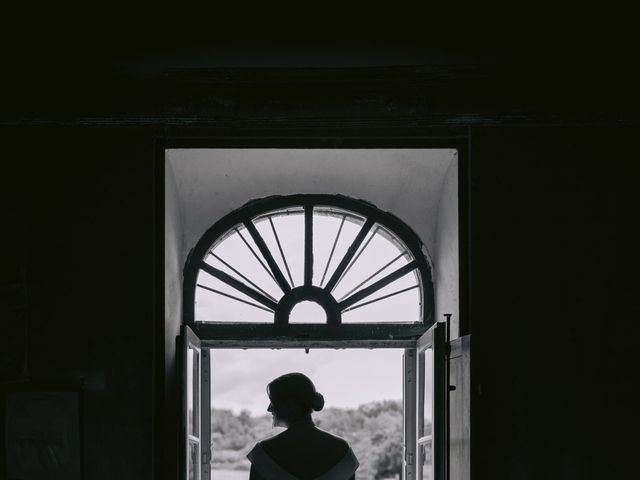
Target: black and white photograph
x=319 y=242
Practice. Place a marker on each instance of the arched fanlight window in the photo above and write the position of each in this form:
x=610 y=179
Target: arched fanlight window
x=322 y=259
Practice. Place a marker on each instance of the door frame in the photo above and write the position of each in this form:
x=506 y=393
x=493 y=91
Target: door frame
x=165 y=395
x=410 y=370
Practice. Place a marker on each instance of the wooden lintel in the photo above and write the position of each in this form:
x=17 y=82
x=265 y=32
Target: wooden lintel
x=400 y=334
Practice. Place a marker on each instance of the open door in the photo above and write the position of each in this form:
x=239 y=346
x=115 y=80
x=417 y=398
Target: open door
x=408 y=414
x=425 y=406
x=196 y=410
x=460 y=409
x=432 y=400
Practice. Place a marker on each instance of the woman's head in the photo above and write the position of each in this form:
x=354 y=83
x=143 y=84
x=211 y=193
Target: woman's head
x=293 y=397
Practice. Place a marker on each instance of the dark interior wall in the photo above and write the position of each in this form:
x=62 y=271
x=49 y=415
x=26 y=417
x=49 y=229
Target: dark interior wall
x=79 y=205
x=552 y=345
x=552 y=209
x=550 y=267
x=547 y=279
x=172 y=295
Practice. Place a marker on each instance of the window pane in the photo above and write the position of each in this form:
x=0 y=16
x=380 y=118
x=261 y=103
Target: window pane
x=327 y=222
x=190 y=391
x=215 y=307
x=235 y=252
x=238 y=270
x=193 y=472
x=196 y=393
x=403 y=307
x=193 y=392
x=378 y=253
x=289 y=225
x=425 y=458
x=307 y=312
x=426 y=392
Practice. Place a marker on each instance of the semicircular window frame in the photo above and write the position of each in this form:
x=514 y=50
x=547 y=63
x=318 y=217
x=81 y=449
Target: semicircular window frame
x=372 y=221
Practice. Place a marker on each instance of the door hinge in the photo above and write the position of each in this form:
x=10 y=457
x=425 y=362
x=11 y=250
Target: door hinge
x=206 y=458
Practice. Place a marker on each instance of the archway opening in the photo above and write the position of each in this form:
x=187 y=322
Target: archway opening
x=363 y=404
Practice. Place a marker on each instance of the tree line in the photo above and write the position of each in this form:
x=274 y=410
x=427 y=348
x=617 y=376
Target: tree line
x=374 y=431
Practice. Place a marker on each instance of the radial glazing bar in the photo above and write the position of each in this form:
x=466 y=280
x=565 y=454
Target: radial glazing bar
x=234 y=297
x=257 y=238
x=266 y=269
x=398 y=292
x=238 y=285
x=284 y=259
x=308 y=245
x=355 y=259
x=356 y=297
x=242 y=276
x=333 y=249
x=351 y=251
x=371 y=276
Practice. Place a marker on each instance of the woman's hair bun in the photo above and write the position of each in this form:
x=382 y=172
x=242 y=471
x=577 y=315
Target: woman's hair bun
x=318 y=401
x=299 y=388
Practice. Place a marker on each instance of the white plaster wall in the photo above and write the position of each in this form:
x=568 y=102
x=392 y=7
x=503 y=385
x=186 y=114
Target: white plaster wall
x=446 y=268
x=213 y=182
x=420 y=186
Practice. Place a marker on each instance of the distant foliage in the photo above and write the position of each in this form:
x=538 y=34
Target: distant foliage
x=374 y=431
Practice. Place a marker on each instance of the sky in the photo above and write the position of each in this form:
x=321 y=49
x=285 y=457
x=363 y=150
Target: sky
x=346 y=377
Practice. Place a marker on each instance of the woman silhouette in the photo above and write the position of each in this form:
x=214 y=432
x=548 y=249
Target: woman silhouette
x=302 y=451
